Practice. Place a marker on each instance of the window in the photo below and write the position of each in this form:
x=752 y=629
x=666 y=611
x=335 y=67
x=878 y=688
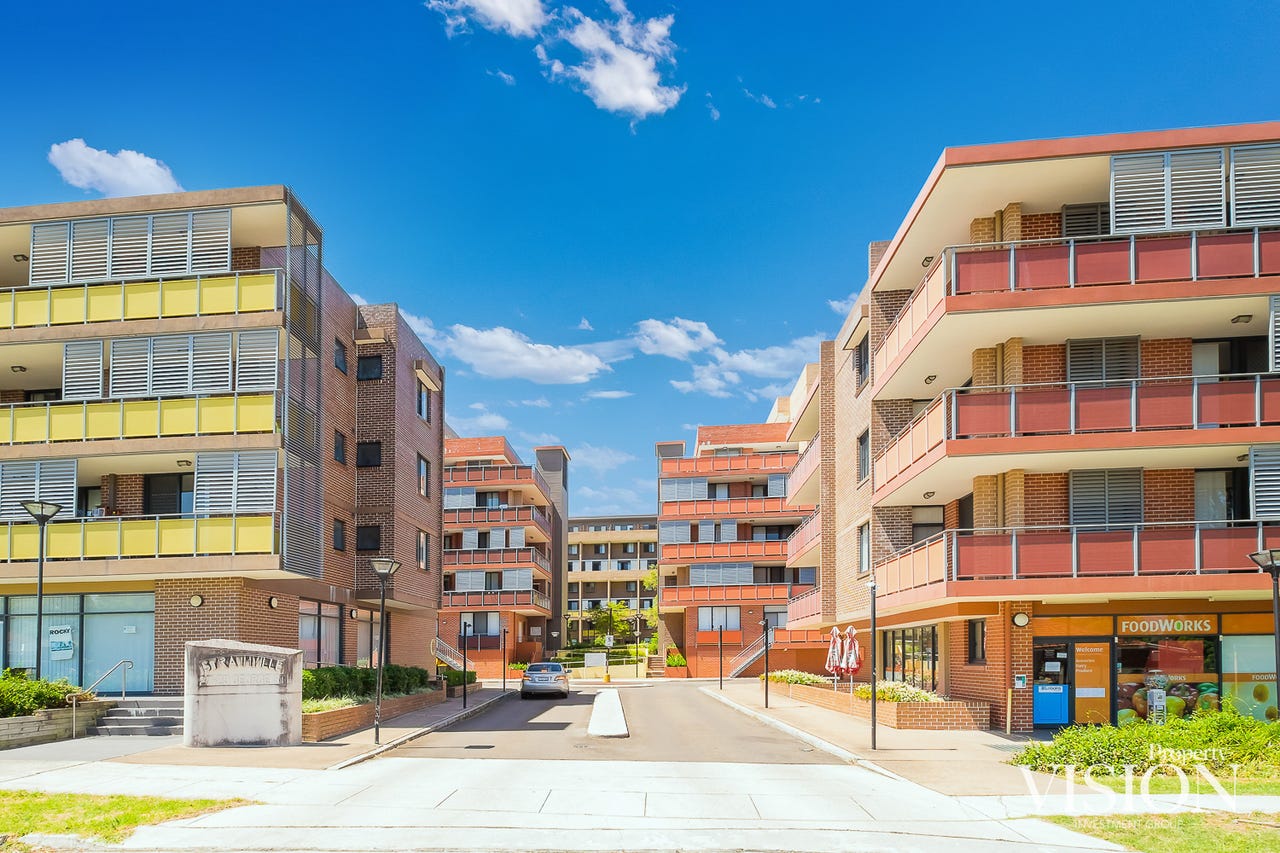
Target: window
x=573 y=550
x=339 y=447
x=911 y=655
x=1086 y=220
x=319 y=633
x=368 y=628
x=862 y=360
x=340 y=356
x=718 y=491
x=629 y=548
x=424 y=401
x=1103 y=359
x=369 y=367
x=599 y=549
x=1168 y=191
x=424 y=550
x=49 y=395
x=713 y=618
x=481 y=624
x=651 y=547
x=368 y=537
x=864 y=548
x=977 y=640
x=368 y=454
x=339 y=535
x=168 y=494
x=759 y=491
x=424 y=476
x=1106 y=497
x=864 y=456
x=926 y=521
x=771 y=532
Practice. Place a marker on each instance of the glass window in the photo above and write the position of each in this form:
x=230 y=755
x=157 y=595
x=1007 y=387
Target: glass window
x=167 y=494
x=368 y=537
x=713 y=618
x=862 y=360
x=424 y=476
x=864 y=456
x=319 y=633
x=339 y=535
x=926 y=521
x=424 y=548
x=368 y=454
x=864 y=548
x=89 y=501
x=424 y=401
x=369 y=367
x=339 y=447
x=367 y=627
x=340 y=356
x=977 y=640
x=1248 y=676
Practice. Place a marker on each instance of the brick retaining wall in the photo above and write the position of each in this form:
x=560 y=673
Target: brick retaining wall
x=898 y=715
x=327 y=724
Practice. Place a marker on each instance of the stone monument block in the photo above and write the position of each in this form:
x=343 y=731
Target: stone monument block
x=241 y=694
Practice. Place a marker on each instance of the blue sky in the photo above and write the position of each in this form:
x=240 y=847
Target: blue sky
x=612 y=221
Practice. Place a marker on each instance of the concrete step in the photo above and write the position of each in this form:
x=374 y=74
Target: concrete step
x=110 y=719
x=134 y=731
x=158 y=711
x=138 y=726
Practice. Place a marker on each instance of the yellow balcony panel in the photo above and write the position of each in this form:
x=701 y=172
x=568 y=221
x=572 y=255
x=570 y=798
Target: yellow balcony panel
x=66 y=423
x=218 y=415
x=24 y=541
x=66 y=305
x=255 y=535
x=176 y=536
x=102 y=539
x=101 y=420
x=218 y=295
x=258 y=292
x=141 y=300
x=179 y=298
x=31 y=307
x=138 y=538
x=215 y=536
x=139 y=419
x=30 y=424
x=6 y=425
x=6 y=308
x=256 y=414
x=178 y=417
x=105 y=302
x=63 y=542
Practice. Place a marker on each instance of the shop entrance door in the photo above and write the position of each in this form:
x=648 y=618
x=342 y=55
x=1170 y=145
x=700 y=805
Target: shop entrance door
x=1091 y=680
x=1051 y=700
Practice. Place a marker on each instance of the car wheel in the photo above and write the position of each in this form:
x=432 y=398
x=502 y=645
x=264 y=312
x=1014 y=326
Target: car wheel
x=524 y=695
x=564 y=695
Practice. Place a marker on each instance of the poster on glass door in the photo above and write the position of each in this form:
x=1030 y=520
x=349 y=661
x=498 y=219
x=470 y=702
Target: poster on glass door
x=61 y=644
x=1249 y=675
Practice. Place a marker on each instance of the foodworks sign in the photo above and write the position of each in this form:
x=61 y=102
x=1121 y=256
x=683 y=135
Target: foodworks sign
x=1168 y=625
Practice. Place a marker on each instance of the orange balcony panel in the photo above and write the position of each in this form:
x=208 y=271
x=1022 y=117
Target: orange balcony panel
x=748 y=463
x=805 y=537
x=494 y=476
x=728 y=508
x=799 y=637
x=683 y=596
x=749 y=550
x=498 y=558
x=802 y=481
x=505 y=516
x=805 y=609
x=710 y=638
x=525 y=601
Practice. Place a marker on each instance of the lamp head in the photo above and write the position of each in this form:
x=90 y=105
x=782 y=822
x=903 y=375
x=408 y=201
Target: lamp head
x=42 y=511
x=1268 y=560
x=383 y=567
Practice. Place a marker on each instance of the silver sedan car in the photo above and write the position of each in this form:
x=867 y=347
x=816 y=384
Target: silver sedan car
x=542 y=678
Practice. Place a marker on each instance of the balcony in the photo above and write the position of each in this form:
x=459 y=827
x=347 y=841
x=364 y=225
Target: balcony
x=680 y=597
x=752 y=549
x=1053 y=273
x=804 y=537
x=125 y=537
x=181 y=296
x=225 y=414
x=511 y=558
x=527 y=601
x=749 y=463
x=805 y=609
x=802 y=481
x=1164 y=413
x=502 y=516
x=495 y=475
x=746 y=508
x=1080 y=560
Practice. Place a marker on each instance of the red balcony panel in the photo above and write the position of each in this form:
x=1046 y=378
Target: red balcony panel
x=982 y=414
x=983 y=556
x=1043 y=266
x=1044 y=553
x=1164 y=405
x=1269 y=252
x=710 y=638
x=1270 y=401
x=1106 y=553
x=1229 y=547
x=1167 y=550
x=982 y=271
x=1163 y=258
x=1046 y=410
x=1102 y=263
x=1225 y=255
x=1228 y=402
x=1102 y=409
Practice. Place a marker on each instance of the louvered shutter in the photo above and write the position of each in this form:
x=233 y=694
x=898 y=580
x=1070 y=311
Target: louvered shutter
x=515 y=537
x=470 y=538
x=1264 y=481
x=1112 y=497
x=698 y=575
x=50 y=253
x=1197 y=189
x=89 y=245
x=171 y=365
x=674 y=532
x=1273 y=334
x=1096 y=359
x=211 y=363
x=517 y=579
x=1124 y=496
x=130 y=367
x=129 y=246
x=1088 y=497
x=706 y=531
x=1139 y=193
x=698 y=488
x=257 y=360
x=17 y=484
x=777 y=485
x=498 y=538
x=468 y=581
x=1120 y=358
x=1255 y=185
x=256 y=474
x=667 y=490
x=1086 y=220
x=82 y=370
x=684 y=490
x=210 y=240
x=738 y=574
x=460 y=498
x=170 y=244
x=56 y=482
x=215 y=483
x=729 y=531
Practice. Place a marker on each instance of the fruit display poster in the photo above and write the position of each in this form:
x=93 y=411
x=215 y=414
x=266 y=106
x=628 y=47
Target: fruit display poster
x=1249 y=675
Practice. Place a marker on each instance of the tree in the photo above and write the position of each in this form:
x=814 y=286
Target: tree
x=614 y=618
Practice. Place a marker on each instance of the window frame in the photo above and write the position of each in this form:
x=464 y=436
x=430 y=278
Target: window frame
x=424 y=476
x=365 y=530
x=976 y=641
x=363 y=374
x=864 y=456
x=340 y=356
x=339 y=447
x=339 y=539
x=363 y=447
x=862 y=362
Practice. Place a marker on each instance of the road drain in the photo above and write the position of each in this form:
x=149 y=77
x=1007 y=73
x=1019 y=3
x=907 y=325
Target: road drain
x=478 y=746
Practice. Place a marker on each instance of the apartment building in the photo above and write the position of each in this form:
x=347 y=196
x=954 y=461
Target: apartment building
x=505 y=548
x=723 y=525
x=609 y=559
x=228 y=437
x=1056 y=420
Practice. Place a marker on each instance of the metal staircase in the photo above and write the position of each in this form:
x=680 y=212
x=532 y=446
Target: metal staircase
x=752 y=653
x=446 y=653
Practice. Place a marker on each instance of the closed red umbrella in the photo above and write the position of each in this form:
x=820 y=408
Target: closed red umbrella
x=835 y=653
x=851 y=657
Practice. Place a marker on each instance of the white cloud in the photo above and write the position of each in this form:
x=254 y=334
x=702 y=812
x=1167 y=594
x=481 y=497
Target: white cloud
x=515 y=17
x=618 y=64
x=584 y=325
x=613 y=500
x=540 y=403
x=679 y=338
x=843 y=306
x=540 y=438
x=607 y=395
x=709 y=379
x=601 y=460
x=762 y=99
x=509 y=79
x=720 y=377
x=122 y=173
x=711 y=108
x=358 y=299
x=502 y=353
x=484 y=422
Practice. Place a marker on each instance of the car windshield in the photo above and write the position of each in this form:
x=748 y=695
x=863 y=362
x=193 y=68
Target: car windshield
x=545 y=667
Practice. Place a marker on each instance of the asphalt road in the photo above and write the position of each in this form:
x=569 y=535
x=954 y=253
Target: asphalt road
x=668 y=721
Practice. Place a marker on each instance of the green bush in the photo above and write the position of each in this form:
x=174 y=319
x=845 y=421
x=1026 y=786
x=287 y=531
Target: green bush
x=454 y=678
x=21 y=696
x=327 y=682
x=895 y=691
x=653 y=644
x=795 y=676
x=674 y=658
x=1216 y=739
x=516 y=664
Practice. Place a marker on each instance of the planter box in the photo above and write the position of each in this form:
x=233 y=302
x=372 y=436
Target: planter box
x=898 y=715
x=50 y=724
x=677 y=672
x=515 y=675
x=455 y=692
x=327 y=724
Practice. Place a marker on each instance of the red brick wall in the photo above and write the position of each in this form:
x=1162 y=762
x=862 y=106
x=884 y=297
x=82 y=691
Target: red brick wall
x=1046 y=499
x=898 y=715
x=1044 y=363
x=1008 y=653
x=1041 y=226
x=1169 y=495
x=1166 y=357
x=247 y=258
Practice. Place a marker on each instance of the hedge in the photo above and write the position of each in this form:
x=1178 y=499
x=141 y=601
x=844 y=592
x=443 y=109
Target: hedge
x=21 y=696
x=454 y=677
x=329 y=681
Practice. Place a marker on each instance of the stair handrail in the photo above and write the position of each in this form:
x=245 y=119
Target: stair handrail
x=124 y=666
x=748 y=656
x=447 y=653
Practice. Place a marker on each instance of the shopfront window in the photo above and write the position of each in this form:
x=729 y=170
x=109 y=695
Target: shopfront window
x=368 y=629
x=1185 y=667
x=84 y=636
x=319 y=633
x=911 y=655
x=1249 y=675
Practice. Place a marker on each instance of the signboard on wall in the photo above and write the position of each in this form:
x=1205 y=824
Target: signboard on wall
x=1093 y=682
x=1171 y=625
x=61 y=644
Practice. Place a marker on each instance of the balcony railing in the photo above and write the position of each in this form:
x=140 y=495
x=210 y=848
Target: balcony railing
x=180 y=296
x=807 y=605
x=1079 y=551
x=123 y=537
x=94 y=420
x=725 y=507
x=806 y=465
x=685 y=595
x=496 y=557
x=809 y=531
x=778 y=463
x=1055 y=263
x=497 y=598
x=455 y=475
x=750 y=549
x=498 y=515
x=1075 y=408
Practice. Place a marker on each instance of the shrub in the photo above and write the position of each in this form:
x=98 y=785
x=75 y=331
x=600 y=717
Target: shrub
x=653 y=645
x=516 y=664
x=454 y=678
x=895 y=691
x=674 y=658
x=327 y=682
x=795 y=676
x=21 y=696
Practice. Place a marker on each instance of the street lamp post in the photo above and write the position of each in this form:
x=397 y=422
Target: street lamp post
x=765 y=623
x=465 y=627
x=384 y=568
x=871 y=585
x=1269 y=562
x=504 y=662
x=637 y=645
x=720 y=651
x=41 y=511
